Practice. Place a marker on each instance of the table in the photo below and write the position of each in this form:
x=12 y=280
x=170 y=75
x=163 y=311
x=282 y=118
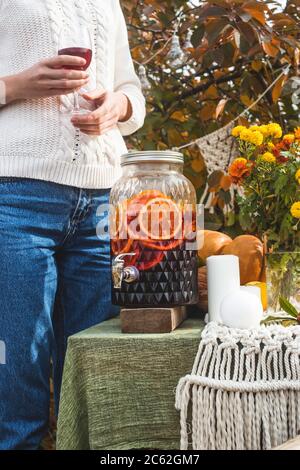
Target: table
x=118 y=390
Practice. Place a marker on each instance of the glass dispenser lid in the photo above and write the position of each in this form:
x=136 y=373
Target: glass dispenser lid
x=152 y=156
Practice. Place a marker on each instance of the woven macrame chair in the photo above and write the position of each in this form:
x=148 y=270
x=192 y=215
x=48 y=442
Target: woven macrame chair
x=243 y=391
x=218 y=150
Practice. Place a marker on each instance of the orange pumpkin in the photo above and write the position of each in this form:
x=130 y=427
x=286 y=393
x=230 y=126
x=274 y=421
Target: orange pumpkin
x=213 y=243
x=250 y=251
x=203 y=293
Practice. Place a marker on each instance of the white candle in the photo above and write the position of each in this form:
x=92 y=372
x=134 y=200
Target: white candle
x=252 y=290
x=223 y=277
x=242 y=310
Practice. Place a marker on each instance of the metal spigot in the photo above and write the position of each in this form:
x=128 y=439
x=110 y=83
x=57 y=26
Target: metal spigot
x=120 y=273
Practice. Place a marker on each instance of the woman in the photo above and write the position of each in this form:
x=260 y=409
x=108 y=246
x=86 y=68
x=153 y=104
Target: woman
x=55 y=172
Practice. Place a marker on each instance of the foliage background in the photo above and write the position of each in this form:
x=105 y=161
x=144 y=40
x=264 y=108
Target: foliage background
x=238 y=48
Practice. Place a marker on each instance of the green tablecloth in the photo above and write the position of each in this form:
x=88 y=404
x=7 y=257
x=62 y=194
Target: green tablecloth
x=119 y=390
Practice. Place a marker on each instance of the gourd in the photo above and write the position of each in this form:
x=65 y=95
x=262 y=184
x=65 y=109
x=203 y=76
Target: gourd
x=203 y=293
x=213 y=243
x=250 y=251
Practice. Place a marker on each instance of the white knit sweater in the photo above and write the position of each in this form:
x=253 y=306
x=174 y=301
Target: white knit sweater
x=37 y=140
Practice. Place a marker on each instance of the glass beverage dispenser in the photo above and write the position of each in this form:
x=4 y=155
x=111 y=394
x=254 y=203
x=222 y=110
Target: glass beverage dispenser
x=153 y=232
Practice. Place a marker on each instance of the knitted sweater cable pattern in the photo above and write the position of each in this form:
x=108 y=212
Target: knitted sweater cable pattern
x=37 y=139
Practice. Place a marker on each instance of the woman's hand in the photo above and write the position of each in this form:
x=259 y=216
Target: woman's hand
x=112 y=107
x=47 y=78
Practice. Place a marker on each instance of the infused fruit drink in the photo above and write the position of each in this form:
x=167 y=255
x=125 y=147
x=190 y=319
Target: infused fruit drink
x=158 y=233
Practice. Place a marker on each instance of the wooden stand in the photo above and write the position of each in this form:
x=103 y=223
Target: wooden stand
x=152 y=320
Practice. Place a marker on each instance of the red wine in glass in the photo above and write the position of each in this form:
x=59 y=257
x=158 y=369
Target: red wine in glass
x=83 y=52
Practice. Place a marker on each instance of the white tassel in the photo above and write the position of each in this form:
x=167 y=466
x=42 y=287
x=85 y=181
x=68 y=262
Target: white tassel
x=204 y=195
x=188 y=43
x=145 y=84
x=176 y=57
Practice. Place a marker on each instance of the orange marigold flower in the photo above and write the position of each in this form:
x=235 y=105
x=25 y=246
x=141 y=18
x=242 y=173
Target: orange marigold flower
x=239 y=169
x=281 y=146
x=289 y=138
x=297 y=133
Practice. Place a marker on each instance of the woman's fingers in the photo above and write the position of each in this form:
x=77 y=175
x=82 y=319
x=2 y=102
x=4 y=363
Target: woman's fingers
x=99 y=129
x=90 y=125
x=98 y=94
x=61 y=61
x=103 y=119
x=98 y=117
x=58 y=92
x=62 y=74
x=65 y=84
x=108 y=126
x=96 y=131
x=102 y=113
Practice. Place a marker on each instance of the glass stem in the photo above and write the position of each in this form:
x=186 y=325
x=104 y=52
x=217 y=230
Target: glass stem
x=76 y=102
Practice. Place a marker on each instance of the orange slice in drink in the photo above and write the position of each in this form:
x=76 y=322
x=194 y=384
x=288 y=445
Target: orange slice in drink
x=135 y=204
x=140 y=261
x=160 y=219
x=118 y=247
x=165 y=245
x=147 y=195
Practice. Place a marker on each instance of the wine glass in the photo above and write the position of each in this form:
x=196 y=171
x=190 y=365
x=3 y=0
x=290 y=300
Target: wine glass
x=80 y=46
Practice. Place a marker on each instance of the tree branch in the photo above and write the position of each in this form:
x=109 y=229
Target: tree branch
x=205 y=86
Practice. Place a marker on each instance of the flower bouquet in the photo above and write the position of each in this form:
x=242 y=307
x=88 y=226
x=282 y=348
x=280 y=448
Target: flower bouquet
x=267 y=175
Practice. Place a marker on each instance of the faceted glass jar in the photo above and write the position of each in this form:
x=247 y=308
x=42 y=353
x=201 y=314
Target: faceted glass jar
x=153 y=232
x=283 y=280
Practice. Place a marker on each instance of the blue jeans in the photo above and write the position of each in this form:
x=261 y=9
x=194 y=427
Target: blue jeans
x=54 y=281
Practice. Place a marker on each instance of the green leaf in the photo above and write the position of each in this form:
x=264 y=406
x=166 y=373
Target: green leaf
x=214 y=29
x=230 y=219
x=286 y=305
x=215 y=178
x=225 y=196
x=209 y=59
x=288 y=323
x=213 y=222
x=198 y=35
x=211 y=12
x=280 y=183
x=277 y=319
x=228 y=52
x=247 y=32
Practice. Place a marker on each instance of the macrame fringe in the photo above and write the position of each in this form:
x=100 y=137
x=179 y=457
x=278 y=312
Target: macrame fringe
x=207 y=198
x=243 y=391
